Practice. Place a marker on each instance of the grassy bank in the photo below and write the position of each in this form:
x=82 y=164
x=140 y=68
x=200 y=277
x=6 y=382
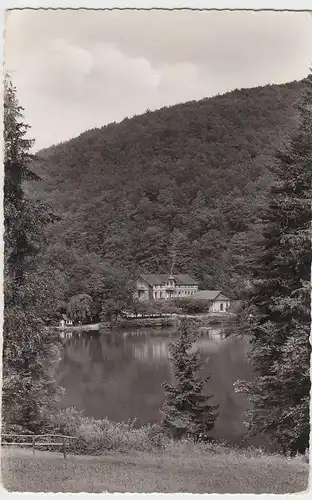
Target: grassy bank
x=115 y=456
x=183 y=467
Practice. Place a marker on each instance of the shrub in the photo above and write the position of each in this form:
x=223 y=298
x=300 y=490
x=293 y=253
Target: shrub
x=95 y=436
x=166 y=306
x=192 y=306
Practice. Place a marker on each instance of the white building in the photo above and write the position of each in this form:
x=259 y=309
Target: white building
x=65 y=321
x=165 y=286
x=219 y=302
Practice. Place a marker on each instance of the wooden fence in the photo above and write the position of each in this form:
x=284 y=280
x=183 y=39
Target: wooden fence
x=23 y=440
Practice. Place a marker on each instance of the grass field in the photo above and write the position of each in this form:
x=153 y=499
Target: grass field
x=142 y=472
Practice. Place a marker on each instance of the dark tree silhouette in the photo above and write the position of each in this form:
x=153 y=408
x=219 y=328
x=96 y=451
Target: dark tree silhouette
x=277 y=310
x=187 y=410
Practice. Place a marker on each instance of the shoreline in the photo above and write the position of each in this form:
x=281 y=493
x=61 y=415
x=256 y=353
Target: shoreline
x=208 y=321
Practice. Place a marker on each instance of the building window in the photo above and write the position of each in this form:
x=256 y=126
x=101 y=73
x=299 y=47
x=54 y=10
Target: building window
x=221 y=306
x=160 y=295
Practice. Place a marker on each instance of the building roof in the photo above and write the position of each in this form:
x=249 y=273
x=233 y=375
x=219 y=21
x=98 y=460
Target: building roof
x=209 y=295
x=159 y=279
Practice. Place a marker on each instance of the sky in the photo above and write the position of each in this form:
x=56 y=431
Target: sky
x=76 y=70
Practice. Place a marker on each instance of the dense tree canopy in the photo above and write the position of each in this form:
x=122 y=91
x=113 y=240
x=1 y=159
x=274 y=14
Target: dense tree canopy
x=79 y=307
x=30 y=288
x=276 y=314
x=182 y=185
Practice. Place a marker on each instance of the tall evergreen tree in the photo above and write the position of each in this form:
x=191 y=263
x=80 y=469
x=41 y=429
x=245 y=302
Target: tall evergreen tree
x=276 y=314
x=29 y=288
x=187 y=410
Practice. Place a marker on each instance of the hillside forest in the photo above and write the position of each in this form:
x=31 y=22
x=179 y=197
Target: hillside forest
x=184 y=184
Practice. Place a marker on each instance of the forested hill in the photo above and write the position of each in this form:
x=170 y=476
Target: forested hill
x=187 y=179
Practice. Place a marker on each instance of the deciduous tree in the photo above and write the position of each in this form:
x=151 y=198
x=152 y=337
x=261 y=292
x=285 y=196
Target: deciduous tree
x=79 y=307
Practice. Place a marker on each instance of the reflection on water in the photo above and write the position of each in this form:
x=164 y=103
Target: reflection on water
x=120 y=375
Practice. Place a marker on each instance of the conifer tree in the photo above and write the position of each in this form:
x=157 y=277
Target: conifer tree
x=29 y=288
x=187 y=411
x=276 y=314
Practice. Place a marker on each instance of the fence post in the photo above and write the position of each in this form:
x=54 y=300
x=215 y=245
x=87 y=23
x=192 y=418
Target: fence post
x=34 y=444
x=64 y=447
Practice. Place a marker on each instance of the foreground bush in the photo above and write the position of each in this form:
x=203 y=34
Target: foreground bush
x=94 y=436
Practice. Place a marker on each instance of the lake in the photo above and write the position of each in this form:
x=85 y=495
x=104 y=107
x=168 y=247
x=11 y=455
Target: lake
x=119 y=375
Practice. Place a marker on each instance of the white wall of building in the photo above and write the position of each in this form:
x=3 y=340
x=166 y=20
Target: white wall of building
x=219 y=305
x=178 y=291
x=161 y=292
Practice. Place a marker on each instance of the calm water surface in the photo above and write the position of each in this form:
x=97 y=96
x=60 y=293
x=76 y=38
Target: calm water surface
x=120 y=375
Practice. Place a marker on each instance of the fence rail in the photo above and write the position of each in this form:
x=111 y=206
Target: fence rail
x=62 y=440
